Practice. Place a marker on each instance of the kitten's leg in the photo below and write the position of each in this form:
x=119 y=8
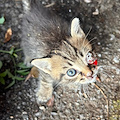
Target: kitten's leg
x=50 y=101
x=44 y=92
x=27 y=60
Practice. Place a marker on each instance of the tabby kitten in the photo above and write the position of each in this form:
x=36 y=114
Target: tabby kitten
x=56 y=49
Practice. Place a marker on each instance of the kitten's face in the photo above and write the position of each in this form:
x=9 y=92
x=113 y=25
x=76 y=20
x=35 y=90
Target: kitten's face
x=69 y=64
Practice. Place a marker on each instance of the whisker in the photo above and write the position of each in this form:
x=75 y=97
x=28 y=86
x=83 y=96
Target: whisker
x=90 y=41
x=106 y=74
x=87 y=35
x=108 y=66
x=57 y=84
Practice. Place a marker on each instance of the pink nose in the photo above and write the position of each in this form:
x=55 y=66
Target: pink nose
x=89 y=74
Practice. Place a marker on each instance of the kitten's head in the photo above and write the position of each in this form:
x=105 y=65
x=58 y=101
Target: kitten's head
x=68 y=63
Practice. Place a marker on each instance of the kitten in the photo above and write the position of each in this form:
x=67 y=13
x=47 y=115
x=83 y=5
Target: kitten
x=57 y=50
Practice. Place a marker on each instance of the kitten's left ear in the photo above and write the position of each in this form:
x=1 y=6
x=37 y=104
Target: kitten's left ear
x=76 y=30
x=43 y=64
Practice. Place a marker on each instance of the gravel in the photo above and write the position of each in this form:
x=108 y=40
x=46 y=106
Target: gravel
x=19 y=102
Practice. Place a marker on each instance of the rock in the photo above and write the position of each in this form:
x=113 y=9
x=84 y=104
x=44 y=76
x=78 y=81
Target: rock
x=25 y=116
x=42 y=108
x=87 y=1
x=37 y=114
x=116 y=59
x=54 y=113
x=112 y=37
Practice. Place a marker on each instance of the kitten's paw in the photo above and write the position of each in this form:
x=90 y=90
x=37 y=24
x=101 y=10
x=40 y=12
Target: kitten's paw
x=43 y=96
x=50 y=102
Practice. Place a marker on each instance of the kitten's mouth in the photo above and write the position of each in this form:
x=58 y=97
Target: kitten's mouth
x=90 y=79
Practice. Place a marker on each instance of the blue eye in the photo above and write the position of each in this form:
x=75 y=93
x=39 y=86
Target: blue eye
x=71 y=72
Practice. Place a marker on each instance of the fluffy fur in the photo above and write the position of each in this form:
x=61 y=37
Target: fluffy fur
x=58 y=50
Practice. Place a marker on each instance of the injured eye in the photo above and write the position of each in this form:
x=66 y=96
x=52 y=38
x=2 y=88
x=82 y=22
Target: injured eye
x=71 y=72
x=91 y=58
x=89 y=55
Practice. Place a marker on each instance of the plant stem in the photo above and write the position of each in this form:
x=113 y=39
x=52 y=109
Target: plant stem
x=3 y=51
x=14 y=63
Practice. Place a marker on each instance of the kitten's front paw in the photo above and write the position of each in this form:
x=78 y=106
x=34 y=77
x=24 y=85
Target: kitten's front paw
x=43 y=96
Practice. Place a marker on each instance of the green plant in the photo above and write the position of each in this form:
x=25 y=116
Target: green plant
x=2 y=20
x=115 y=110
x=19 y=70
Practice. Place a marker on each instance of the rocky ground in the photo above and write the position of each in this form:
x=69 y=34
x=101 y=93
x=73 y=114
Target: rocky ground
x=103 y=16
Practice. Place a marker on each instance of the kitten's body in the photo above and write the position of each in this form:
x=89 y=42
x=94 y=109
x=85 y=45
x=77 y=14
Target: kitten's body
x=42 y=32
x=59 y=52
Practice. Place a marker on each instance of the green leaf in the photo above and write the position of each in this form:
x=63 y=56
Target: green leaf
x=4 y=73
x=15 y=55
x=18 y=78
x=10 y=75
x=11 y=84
x=1 y=64
x=23 y=72
x=4 y=51
x=11 y=51
x=2 y=80
x=2 y=20
x=17 y=50
x=22 y=65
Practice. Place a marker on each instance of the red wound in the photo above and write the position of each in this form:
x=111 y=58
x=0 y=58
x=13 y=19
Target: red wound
x=95 y=63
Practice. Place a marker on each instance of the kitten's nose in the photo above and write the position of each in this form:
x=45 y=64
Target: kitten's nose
x=89 y=74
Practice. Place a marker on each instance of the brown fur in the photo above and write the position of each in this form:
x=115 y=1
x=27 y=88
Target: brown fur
x=55 y=50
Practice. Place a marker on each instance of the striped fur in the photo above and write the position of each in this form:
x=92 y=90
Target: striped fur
x=54 y=47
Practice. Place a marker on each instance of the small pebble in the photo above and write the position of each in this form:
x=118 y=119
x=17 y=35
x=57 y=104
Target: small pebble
x=117 y=71
x=77 y=103
x=118 y=50
x=53 y=113
x=99 y=55
x=101 y=116
x=116 y=60
x=42 y=108
x=11 y=117
x=113 y=76
x=81 y=117
x=112 y=37
x=106 y=106
x=18 y=107
x=99 y=43
x=69 y=10
x=25 y=116
x=87 y=1
x=35 y=118
x=23 y=103
x=37 y=114
x=24 y=112
x=96 y=12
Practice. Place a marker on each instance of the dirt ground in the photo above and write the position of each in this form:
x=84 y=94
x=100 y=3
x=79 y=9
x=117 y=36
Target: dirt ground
x=103 y=16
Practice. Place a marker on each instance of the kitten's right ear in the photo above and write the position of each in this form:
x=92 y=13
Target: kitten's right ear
x=43 y=64
x=76 y=30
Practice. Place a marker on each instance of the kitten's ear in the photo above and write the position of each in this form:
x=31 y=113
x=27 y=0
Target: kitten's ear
x=76 y=30
x=43 y=64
